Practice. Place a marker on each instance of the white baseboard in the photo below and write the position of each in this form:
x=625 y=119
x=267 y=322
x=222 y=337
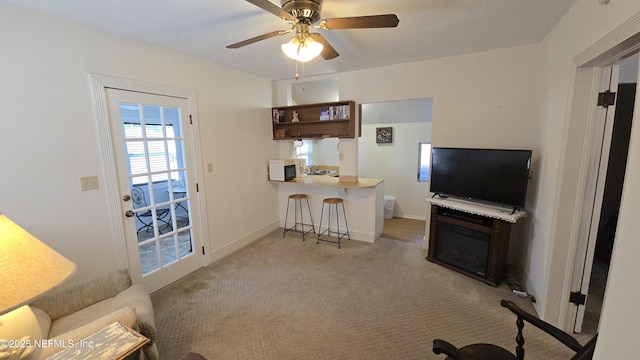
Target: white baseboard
x=411 y=217
x=244 y=241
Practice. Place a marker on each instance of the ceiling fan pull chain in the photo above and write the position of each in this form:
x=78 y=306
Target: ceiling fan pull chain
x=297 y=55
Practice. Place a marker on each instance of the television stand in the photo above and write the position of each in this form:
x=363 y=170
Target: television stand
x=471 y=238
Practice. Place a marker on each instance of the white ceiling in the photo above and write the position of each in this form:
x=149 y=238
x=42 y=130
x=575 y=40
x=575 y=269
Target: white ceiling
x=428 y=29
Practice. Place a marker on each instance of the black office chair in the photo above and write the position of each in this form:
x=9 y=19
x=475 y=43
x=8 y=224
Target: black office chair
x=493 y=352
x=146 y=217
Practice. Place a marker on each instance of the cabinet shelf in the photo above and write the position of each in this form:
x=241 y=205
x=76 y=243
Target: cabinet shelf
x=312 y=122
x=310 y=126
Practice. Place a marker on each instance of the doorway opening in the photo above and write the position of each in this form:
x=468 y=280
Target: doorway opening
x=610 y=205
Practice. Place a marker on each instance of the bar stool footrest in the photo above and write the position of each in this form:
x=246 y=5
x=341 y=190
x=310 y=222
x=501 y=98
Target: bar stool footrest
x=297 y=201
x=294 y=228
x=328 y=232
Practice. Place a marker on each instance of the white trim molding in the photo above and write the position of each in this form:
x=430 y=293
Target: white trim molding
x=99 y=84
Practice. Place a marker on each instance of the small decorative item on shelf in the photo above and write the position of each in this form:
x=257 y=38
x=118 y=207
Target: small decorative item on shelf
x=324 y=115
x=278 y=115
x=281 y=133
x=295 y=116
x=384 y=135
x=345 y=110
x=332 y=112
x=340 y=112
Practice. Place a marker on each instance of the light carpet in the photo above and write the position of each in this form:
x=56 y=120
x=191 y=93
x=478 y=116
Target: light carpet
x=282 y=298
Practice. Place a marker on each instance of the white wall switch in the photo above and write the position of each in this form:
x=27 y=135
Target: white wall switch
x=209 y=167
x=88 y=183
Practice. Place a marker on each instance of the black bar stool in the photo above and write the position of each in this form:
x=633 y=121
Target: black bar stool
x=328 y=231
x=297 y=205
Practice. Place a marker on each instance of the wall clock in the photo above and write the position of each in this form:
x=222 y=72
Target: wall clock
x=384 y=135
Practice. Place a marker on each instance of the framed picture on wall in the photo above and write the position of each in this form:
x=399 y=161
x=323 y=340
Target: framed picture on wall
x=384 y=135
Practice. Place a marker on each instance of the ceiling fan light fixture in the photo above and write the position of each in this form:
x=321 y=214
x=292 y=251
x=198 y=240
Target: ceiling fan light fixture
x=302 y=48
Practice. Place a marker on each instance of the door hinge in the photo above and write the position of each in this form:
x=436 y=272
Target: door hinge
x=577 y=298
x=606 y=98
x=197 y=188
x=190 y=120
x=203 y=250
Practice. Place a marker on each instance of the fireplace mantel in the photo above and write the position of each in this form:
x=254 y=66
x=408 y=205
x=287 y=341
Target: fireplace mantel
x=494 y=212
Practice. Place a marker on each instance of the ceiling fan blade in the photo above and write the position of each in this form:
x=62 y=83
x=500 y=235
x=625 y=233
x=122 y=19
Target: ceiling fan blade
x=328 y=52
x=257 y=38
x=361 y=22
x=274 y=9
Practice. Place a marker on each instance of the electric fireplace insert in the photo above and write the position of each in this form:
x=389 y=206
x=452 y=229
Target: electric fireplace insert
x=474 y=245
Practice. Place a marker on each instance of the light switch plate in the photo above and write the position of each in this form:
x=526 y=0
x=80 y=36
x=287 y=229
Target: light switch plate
x=88 y=183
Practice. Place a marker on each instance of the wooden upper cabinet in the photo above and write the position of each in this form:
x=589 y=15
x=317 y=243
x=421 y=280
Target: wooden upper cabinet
x=323 y=120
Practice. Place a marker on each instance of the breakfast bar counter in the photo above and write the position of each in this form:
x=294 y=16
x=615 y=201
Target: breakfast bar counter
x=363 y=201
x=332 y=181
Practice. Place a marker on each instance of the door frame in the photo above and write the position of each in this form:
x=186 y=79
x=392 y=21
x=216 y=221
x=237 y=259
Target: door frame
x=99 y=84
x=587 y=66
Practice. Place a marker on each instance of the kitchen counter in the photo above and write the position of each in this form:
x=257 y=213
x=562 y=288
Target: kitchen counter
x=363 y=201
x=332 y=181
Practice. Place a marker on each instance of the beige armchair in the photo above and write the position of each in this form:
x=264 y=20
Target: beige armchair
x=76 y=310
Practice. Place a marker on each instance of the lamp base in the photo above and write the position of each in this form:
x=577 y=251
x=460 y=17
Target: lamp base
x=19 y=334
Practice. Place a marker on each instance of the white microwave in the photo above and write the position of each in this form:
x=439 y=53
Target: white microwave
x=282 y=170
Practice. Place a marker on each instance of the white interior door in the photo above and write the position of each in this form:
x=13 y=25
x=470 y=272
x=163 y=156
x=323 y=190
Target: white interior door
x=153 y=149
x=600 y=148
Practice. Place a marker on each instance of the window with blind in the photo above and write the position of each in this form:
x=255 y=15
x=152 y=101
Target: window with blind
x=160 y=147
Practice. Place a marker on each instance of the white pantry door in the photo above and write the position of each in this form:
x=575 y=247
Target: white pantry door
x=155 y=160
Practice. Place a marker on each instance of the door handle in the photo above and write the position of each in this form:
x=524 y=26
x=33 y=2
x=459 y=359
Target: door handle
x=126 y=197
x=129 y=213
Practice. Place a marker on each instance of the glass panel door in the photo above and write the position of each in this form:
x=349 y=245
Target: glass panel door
x=152 y=150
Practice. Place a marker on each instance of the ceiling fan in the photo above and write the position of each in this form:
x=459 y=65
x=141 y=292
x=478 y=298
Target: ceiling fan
x=304 y=14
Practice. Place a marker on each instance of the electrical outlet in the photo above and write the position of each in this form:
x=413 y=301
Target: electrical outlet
x=88 y=183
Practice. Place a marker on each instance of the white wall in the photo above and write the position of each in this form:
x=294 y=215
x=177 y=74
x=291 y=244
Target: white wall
x=629 y=70
x=50 y=139
x=397 y=164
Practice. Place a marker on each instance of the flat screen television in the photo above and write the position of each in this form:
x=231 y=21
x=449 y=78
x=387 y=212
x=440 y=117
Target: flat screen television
x=484 y=175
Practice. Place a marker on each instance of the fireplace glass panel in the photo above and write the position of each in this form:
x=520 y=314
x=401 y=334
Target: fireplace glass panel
x=463 y=248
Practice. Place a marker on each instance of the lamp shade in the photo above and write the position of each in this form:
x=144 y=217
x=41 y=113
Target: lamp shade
x=29 y=267
x=302 y=48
